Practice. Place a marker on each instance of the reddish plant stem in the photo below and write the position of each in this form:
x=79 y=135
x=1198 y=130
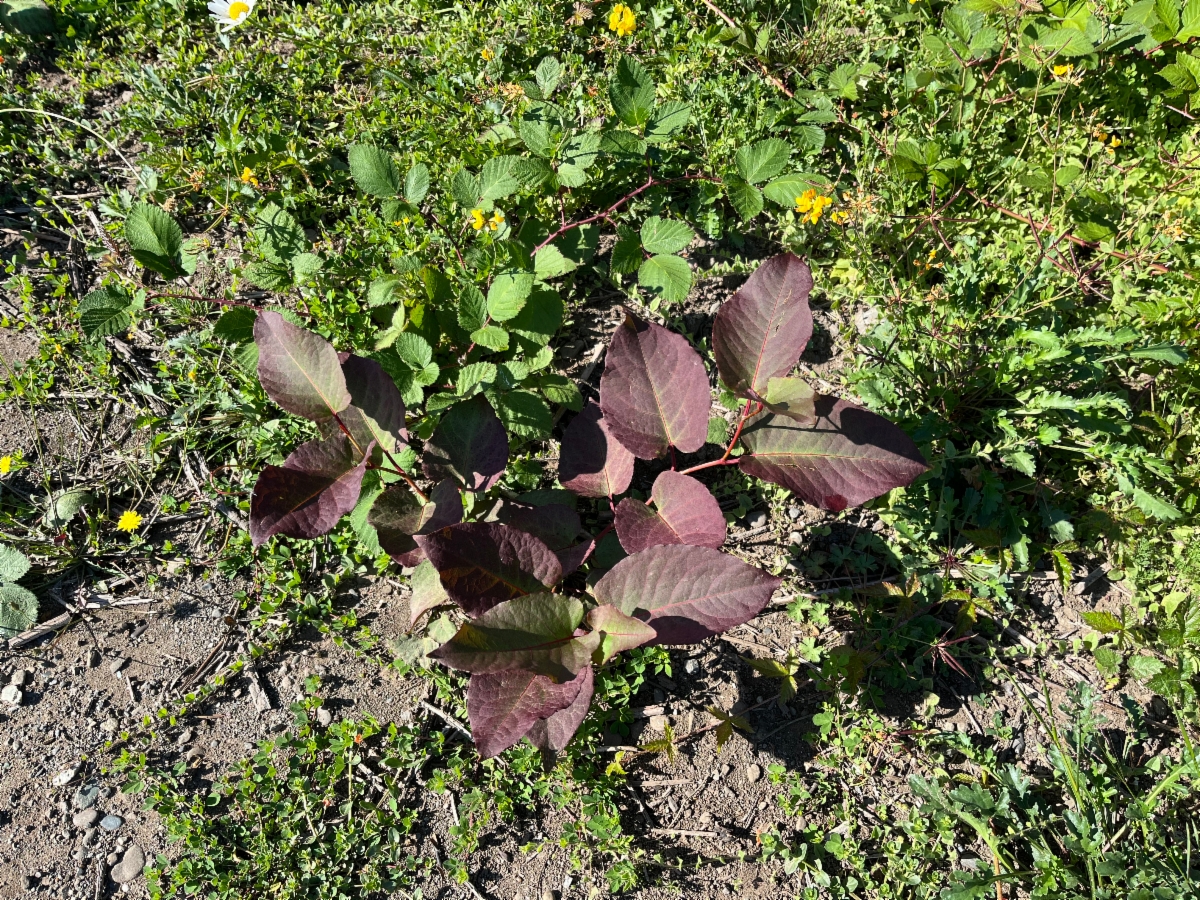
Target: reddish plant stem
x=725 y=460
x=396 y=466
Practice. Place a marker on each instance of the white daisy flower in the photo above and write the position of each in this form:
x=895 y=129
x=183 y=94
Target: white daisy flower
x=230 y=14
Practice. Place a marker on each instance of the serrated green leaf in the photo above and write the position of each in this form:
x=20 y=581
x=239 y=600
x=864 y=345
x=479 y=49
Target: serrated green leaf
x=626 y=252
x=547 y=73
x=523 y=413
x=491 y=336
x=1155 y=507
x=473 y=375
x=105 y=311
x=759 y=162
x=631 y=92
x=236 y=325
x=18 y=610
x=13 y=563
x=665 y=235
x=561 y=390
x=472 y=308
x=279 y=235
x=384 y=291
x=668 y=276
x=413 y=349
x=1103 y=622
x=496 y=179
x=507 y=294
x=1143 y=667
x=269 y=275
x=155 y=239
x=464 y=187
x=306 y=265
x=375 y=172
x=416 y=183
x=746 y=199
x=667 y=120
x=550 y=263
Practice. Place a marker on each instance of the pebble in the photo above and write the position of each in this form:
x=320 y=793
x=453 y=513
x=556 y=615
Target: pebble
x=112 y=859
x=111 y=822
x=94 y=658
x=21 y=677
x=139 y=631
x=185 y=737
x=753 y=773
x=85 y=797
x=324 y=717
x=85 y=818
x=705 y=818
x=64 y=776
x=795 y=537
x=549 y=895
x=659 y=723
x=12 y=695
x=793 y=512
x=691 y=666
x=130 y=866
x=110 y=725
x=756 y=519
x=118 y=664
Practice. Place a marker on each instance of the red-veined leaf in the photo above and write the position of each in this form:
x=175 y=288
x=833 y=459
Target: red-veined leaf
x=687 y=513
x=617 y=632
x=484 y=563
x=762 y=329
x=299 y=370
x=398 y=515
x=686 y=593
x=846 y=458
x=503 y=706
x=654 y=391
x=304 y=498
x=469 y=444
x=591 y=461
x=555 y=732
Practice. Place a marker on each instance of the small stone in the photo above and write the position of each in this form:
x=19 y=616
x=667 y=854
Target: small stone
x=111 y=822
x=756 y=519
x=89 y=837
x=753 y=773
x=139 y=631
x=29 y=882
x=85 y=818
x=793 y=512
x=324 y=717
x=185 y=737
x=724 y=769
x=65 y=776
x=194 y=753
x=659 y=723
x=12 y=695
x=549 y=895
x=112 y=859
x=691 y=666
x=705 y=818
x=110 y=725
x=21 y=678
x=94 y=658
x=795 y=537
x=85 y=797
x=118 y=664
x=130 y=866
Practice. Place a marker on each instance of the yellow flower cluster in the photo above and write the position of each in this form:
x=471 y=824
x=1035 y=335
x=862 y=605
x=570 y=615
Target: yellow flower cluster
x=811 y=205
x=1111 y=143
x=925 y=265
x=621 y=20
x=248 y=176
x=478 y=221
x=1063 y=71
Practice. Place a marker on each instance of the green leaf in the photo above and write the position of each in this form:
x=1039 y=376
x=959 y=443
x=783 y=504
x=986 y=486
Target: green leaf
x=747 y=200
x=1021 y=461
x=631 y=92
x=561 y=390
x=523 y=413
x=539 y=319
x=1103 y=622
x=668 y=276
x=372 y=487
x=786 y=189
x=1108 y=660
x=413 y=349
x=759 y=162
x=30 y=17
x=104 y=312
x=1191 y=21
x=472 y=308
x=508 y=293
x=236 y=325
x=1143 y=667
x=547 y=73
x=626 y=252
x=1155 y=507
x=18 y=610
x=496 y=180
x=416 y=183
x=1062 y=568
x=465 y=188
x=375 y=172
x=665 y=235
x=13 y=563
x=306 y=265
x=473 y=375
x=384 y=291
x=1172 y=354
x=718 y=431
x=270 y=275
x=156 y=239
x=68 y=504
x=491 y=336
x=536 y=136
x=581 y=150
x=550 y=263
x=667 y=119
x=279 y=235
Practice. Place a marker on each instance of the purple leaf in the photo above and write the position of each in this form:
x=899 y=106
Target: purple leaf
x=469 y=444
x=686 y=593
x=398 y=515
x=687 y=514
x=304 y=498
x=376 y=410
x=427 y=591
x=536 y=633
x=654 y=391
x=761 y=331
x=555 y=523
x=298 y=369
x=591 y=461
x=555 y=732
x=617 y=632
x=483 y=563
x=846 y=458
x=792 y=397
x=503 y=706
x=574 y=557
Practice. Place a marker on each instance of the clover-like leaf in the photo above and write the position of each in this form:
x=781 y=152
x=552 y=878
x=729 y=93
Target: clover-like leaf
x=503 y=706
x=686 y=593
x=847 y=457
x=654 y=391
x=299 y=370
x=306 y=496
x=555 y=732
x=484 y=563
x=760 y=332
x=591 y=461
x=687 y=513
x=399 y=514
x=469 y=444
x=617 y=632
x=535 y=632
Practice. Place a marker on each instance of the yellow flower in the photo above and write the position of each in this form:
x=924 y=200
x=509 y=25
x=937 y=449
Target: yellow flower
x=811 y=205
x=488 y=54
x=5 y=465
x=496 y=220
x=192 y=375
x=839 y=217
x=477 y=220
x=230 y=15
x=621 y=20
x=1063 y=71
x=1115 y=142
x=129 y=521
x=248 y=176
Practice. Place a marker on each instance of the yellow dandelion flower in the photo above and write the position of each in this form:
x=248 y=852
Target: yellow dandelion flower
x=621 y=20
x=129 y=521
x=488 y=54
x=477 y=220
x=496 y=220
x=5 y=464
x=248 y=176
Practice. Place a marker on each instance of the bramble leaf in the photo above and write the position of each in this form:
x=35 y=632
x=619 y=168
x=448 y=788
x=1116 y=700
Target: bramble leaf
x=667 y=119
x=747 y=200
x=484 y=563
x=13 y=563
x=469 y=444
x=279 y=235
x=399 y=514
x=18 y=609
x=759 y=162
x=687 y=514
x=507 y=295
x=503 y=706
x=760 y=332
x=236 y=325
x=1103 y=622
x=654 y=391
x=686 y=593
x=591 y=462
x=847 y=457
x=668 y=276
x=105 y=311
x=299 y=370
x=416 y=183
x=155 y=239
x=665 y=235
x=375 y=172
x=631 y=92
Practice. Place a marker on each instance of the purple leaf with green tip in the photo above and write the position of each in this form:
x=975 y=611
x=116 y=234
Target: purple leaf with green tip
x=304 y=498
x=376 y=410
x=398 y=515
x=469 y=444
x=299 y=370
x=654 y=391
x=847 y=457
x=792 y=397
x=762 y=329
x=617 y=632
x=591 y=461
x=503 y=706
x=555 y=732
x=484 y=563
x=687 y=513
x=686 y=593
x=536 y=632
